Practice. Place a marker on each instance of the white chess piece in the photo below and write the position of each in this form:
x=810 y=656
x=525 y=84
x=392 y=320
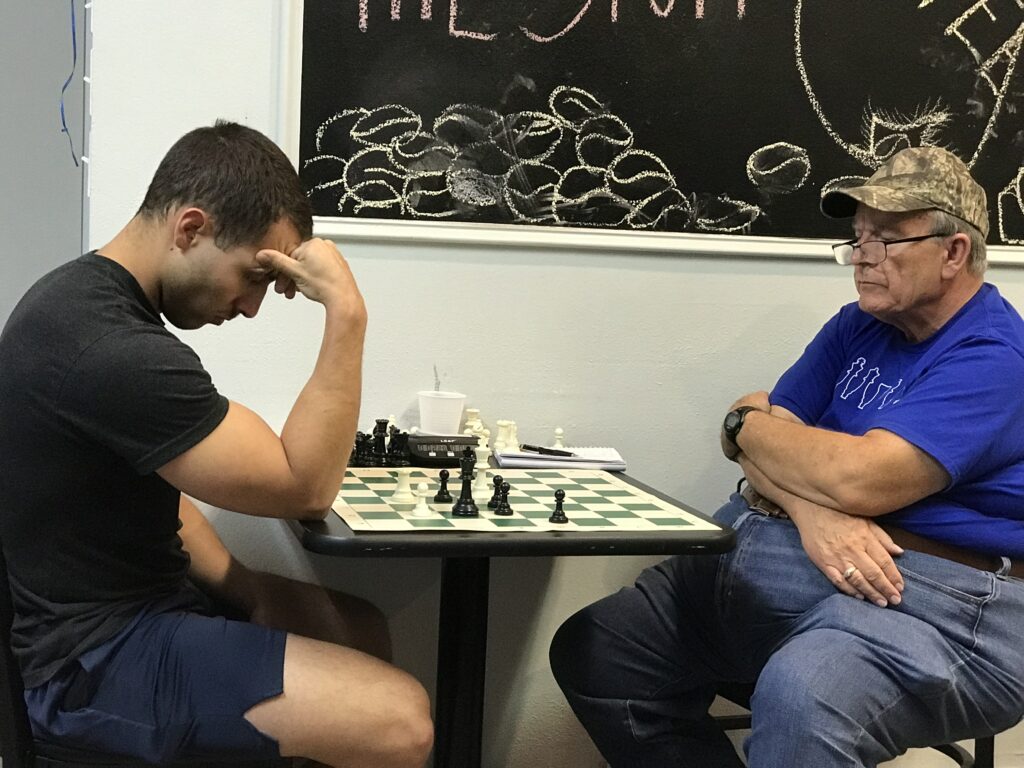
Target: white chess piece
x=481 y=485
x=483 y=453
x=503 y=429
x=559 y=435
x=403 y=491
x=473 y=418
x=513 y=438
x=422 y=508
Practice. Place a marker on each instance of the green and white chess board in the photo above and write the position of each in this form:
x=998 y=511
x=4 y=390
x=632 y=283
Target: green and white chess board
x=595 y=500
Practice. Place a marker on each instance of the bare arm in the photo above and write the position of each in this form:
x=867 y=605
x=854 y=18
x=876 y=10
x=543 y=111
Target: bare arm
x=212 y=566
x=243 y=465
x=867 y=475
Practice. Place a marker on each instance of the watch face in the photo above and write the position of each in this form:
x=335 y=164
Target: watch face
x=732 y=422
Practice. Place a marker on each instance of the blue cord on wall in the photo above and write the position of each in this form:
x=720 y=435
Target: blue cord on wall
x=74 y=64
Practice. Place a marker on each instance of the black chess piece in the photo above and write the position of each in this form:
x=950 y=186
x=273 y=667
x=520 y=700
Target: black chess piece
x=398 y=449
x=443 y=496
x=355 y=459
x=496 y=498
x=467 y=453
x=503 y=506
x=558 y=516
x=465 y=506
x=380 y=433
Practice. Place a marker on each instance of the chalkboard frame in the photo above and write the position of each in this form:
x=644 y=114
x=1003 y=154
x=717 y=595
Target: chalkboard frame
x=343 y=229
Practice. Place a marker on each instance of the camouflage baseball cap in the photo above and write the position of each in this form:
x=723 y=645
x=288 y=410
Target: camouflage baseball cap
x=915 y=179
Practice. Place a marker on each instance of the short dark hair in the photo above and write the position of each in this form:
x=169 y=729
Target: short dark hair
x=237 y=175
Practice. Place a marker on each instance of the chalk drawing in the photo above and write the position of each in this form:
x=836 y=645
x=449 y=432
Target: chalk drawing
x=453 y=13
x=779 y=168
x=662 y=12
x=1010 y=211
x=888 y=131
x=575 y=164
x=547 y=39
x=741 y=8
x=1010 y=23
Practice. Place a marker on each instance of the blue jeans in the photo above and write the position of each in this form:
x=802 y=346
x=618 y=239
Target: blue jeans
x=839 y=681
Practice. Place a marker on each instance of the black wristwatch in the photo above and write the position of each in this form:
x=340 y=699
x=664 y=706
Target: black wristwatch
x=734 y=422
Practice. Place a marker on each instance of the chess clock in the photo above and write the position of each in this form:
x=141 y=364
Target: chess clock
x=438 y=450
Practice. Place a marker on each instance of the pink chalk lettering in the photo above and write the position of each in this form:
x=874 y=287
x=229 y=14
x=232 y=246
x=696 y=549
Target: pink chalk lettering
x=615 y=11
x=542 y=39
x=364 y=12
x=426 y=10
x=658 y=11
x=396 y=10
x=452 y=16
x=741 y=9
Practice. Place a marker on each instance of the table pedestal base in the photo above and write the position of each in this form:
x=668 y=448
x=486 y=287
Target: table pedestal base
x=461 y=661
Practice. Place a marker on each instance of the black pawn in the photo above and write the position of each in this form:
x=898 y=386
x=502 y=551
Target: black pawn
x=503 y=505
x=465 y=506
x=496 y=498
x=558 y=516
x=443 y=496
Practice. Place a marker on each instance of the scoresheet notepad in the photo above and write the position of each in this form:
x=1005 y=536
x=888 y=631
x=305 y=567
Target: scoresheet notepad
x=595 y=500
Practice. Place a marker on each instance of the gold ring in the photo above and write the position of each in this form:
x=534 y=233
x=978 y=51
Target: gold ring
x=849 y=571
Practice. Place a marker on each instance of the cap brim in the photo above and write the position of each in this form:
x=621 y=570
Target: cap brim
x=842 y=203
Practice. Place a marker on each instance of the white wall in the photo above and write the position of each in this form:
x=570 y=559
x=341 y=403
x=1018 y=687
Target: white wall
x=40 y=187
x=641 y=351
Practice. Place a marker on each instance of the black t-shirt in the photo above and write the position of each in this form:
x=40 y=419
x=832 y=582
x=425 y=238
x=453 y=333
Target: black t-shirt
x=95 y=394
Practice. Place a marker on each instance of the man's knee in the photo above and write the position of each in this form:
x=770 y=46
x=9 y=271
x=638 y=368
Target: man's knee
x=411 y=734
x=573 y=663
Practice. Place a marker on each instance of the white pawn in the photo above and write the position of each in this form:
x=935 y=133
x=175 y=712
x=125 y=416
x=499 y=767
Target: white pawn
x=403 y=491
x=513 y=438
x=481 y=485
x=503 y=430
x=559 y=434
x=422 y=508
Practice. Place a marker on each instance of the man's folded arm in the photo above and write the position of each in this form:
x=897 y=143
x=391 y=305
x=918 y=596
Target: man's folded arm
x=869 y=475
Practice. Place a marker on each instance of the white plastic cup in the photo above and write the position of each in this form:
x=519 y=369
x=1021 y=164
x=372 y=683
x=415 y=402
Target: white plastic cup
x=441 y=412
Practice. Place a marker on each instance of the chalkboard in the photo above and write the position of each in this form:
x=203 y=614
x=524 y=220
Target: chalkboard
x=707 y=116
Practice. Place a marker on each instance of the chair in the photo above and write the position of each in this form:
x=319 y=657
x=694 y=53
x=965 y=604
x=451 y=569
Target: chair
x=18 y=749
x=739 y=693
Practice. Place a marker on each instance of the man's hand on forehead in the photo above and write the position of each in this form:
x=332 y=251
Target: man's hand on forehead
x=283 y=284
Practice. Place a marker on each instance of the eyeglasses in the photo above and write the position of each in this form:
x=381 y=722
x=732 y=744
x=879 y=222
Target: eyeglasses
x=872 y=252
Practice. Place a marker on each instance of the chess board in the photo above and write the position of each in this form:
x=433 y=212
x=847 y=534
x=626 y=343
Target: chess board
x=594 y=501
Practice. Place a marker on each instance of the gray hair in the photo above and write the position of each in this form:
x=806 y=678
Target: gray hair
x=946 y=224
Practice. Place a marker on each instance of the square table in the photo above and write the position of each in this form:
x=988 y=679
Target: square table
x=465 y=573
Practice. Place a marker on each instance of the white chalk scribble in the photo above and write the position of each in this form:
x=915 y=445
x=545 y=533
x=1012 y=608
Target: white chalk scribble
x=574 y=164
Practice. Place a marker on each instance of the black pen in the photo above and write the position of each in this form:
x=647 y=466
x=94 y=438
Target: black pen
x=545 y=451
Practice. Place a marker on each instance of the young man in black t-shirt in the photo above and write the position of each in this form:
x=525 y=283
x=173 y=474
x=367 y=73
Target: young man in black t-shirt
x=109 y=419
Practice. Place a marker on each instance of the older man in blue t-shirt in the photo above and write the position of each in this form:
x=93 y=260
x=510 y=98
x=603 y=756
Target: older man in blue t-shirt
x=886 y=465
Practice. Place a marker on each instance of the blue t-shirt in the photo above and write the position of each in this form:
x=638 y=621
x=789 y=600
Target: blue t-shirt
x=958 y=396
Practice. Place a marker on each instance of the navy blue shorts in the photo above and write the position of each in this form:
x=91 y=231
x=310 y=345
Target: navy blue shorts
x=169 y=686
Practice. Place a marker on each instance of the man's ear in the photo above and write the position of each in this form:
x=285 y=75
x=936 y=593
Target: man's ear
x=958 y=254
x=189 y=224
